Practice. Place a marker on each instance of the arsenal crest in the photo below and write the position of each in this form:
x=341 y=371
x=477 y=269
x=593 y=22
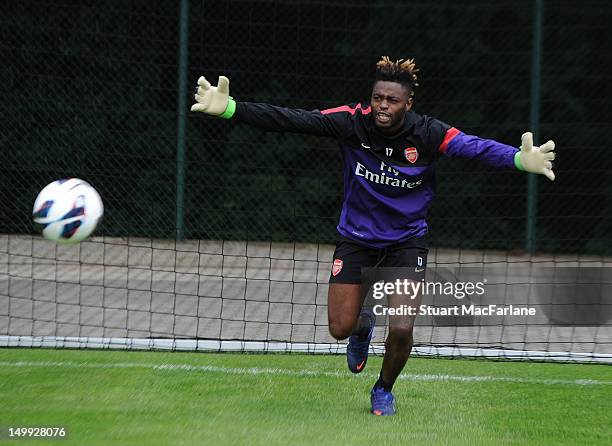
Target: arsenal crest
x=411 y=154
x=337 y=267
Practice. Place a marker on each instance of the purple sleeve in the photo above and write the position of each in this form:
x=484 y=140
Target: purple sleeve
x=491 y=152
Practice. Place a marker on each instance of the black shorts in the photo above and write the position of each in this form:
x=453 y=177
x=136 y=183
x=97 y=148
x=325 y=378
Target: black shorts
x=350 y=257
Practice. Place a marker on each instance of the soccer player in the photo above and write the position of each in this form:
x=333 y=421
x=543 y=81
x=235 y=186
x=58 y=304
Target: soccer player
x=389 y=154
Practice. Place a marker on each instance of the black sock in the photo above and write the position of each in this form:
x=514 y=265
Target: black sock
x=383 y=384
x=363 y=327
x=362 y=332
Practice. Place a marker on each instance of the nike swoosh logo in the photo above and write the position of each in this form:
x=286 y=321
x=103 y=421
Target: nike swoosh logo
x=418 y=270
x=364 y=146
x=360 y=366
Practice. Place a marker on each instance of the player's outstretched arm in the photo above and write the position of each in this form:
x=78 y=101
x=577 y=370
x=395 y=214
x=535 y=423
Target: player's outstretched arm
x=527 y=158
x=535 y=159
x=214 y=101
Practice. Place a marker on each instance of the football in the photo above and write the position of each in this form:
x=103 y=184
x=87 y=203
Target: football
x=68 y=210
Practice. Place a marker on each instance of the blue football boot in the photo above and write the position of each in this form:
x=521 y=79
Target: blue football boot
x=383 y=402
x=357 y=348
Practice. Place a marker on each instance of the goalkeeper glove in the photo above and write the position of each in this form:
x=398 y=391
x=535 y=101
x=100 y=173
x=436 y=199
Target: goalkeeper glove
x=535 y=159
x=214 y=101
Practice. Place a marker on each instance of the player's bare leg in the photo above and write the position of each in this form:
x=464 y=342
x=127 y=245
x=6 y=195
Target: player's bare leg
x=347 y=318
x=399 y=340
x=343 y=307
x=397 y=350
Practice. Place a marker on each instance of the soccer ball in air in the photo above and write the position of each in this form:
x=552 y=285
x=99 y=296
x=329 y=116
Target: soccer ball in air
x=68 y=210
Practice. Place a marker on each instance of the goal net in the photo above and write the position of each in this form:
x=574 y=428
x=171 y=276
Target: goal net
x=256 y=296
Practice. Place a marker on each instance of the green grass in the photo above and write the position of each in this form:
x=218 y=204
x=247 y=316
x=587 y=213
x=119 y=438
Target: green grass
x=112 y=397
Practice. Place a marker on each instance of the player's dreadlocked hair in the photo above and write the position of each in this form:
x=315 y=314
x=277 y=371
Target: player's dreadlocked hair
x=401 y=71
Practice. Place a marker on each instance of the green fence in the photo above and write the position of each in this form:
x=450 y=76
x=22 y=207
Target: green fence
x=100 y=90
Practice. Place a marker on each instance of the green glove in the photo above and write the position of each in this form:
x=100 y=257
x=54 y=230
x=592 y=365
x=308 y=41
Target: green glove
x=535 y=159
x=214 y=101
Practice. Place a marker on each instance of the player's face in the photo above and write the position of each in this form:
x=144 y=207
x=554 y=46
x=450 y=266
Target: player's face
x=390 y=101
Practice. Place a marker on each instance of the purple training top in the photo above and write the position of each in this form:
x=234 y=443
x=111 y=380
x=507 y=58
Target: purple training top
x=389 y=182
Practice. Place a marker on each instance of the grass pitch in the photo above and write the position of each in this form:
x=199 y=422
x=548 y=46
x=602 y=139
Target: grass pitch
x=155 y=398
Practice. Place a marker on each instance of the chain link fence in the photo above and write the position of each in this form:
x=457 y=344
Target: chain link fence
x=90 y=90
